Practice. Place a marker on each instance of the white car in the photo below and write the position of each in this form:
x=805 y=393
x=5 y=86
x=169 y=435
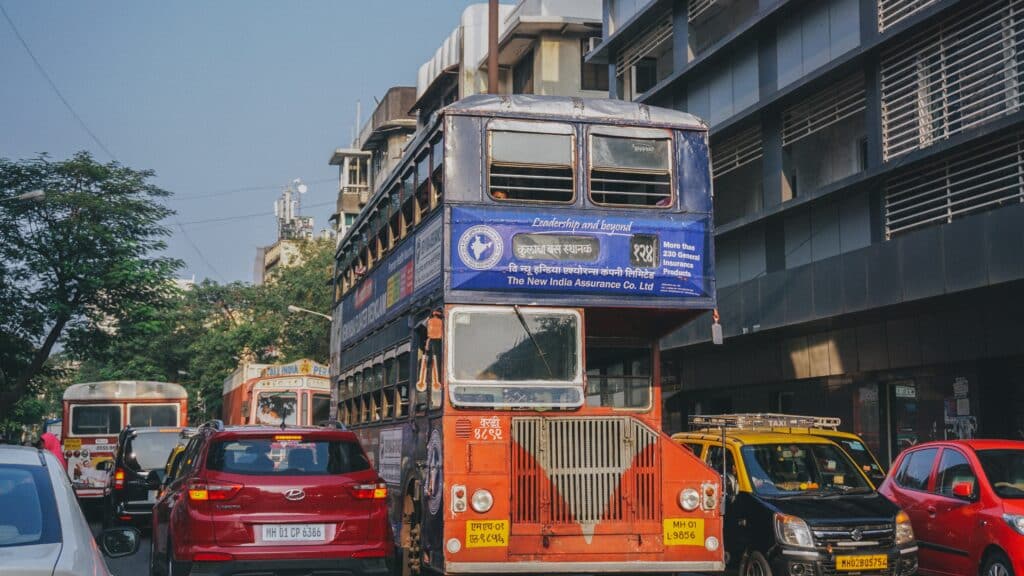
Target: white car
x=42 y=529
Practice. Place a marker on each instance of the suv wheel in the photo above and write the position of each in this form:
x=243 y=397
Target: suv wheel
x=755 y=564
x=997 y=564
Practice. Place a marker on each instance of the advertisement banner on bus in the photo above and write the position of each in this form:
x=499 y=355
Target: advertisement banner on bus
x=506 y=250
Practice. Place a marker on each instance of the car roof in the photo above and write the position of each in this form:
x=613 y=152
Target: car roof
x=976 y=444
x=150 y=429
x=20 y=456
x=751 y=436
x=243 y=431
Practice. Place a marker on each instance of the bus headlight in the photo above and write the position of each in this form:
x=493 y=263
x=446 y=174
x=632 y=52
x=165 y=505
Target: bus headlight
x=904 y=531
x=689 y=499
x=482 y=501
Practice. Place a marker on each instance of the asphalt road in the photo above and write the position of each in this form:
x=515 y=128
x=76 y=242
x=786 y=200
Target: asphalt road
x=134 y=565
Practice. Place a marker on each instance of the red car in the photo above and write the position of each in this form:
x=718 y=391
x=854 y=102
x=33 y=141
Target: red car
x=965 y=499
x=266 y=500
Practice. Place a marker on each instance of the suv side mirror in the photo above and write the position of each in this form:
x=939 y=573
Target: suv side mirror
x=119 y=542
x=155 y=478
x=963 y=490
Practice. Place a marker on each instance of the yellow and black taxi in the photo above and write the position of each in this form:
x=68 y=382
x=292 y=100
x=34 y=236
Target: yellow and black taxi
x=797 y=504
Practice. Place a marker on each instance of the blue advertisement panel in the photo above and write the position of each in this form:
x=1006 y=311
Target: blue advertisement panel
x=661 y=255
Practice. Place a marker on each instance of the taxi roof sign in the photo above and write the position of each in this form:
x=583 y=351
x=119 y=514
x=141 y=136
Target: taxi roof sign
x=764 y=420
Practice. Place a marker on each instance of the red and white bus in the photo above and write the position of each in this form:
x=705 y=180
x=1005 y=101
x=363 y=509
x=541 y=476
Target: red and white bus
x=298 y=393
x=95 y=412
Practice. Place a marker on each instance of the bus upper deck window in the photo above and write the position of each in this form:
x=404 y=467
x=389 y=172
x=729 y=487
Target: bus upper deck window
x=633 y=172
x=531 y=167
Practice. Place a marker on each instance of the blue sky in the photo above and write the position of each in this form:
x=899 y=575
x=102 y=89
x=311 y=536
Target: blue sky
x=214 y=96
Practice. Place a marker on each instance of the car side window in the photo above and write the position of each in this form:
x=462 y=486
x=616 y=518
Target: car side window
x=714 y=460
x=916 y=468
x=188 y=457
x=953 y=469
x=695 y=447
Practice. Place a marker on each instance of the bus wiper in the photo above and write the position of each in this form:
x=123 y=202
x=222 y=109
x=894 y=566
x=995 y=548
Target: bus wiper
x=534 y=340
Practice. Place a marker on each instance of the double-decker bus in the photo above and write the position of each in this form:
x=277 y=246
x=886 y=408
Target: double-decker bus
x=298 y=393
x=498 y=307
x=94 y=414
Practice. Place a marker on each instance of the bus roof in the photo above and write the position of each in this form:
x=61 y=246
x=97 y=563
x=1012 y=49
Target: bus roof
x=578 y=109
x=125 y=390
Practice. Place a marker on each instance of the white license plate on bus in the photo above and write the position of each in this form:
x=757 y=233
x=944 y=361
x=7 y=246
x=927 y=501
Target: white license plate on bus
x=294 y=532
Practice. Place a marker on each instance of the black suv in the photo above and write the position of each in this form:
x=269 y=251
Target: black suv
x=132 y=489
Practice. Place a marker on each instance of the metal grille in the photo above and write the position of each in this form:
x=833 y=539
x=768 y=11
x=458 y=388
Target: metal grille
x=618 y=188
x=978 y=178
x=597 y=470
x=956 y=74
x=636 y=50
x=742 y=148
x=830 y=106
x=876 y=535
x=517 y=182
x=698 y=8
x=892 y=11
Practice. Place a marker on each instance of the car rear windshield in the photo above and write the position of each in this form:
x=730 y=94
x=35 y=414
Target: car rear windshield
x=29 y=510
x=149 y=450
x=1005 y=471
x=286 y=456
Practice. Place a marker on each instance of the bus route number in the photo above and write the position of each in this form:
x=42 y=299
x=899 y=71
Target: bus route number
x=486 y=533
x=489 y=428
x=684 y=531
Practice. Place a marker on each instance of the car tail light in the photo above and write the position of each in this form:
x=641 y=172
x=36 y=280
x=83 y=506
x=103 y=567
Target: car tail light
x=202 y=492
x=376 y=491
x=119 y=479
x=212 y=557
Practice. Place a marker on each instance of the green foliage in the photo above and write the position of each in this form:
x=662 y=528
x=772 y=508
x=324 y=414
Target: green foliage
x=74 y=265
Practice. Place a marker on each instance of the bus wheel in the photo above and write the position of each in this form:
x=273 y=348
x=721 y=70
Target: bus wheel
x=410 y=552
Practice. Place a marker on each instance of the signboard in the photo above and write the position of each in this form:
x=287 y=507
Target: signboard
x=571 y=252
x=906 y=389
x=389 y=465
x=299 y=367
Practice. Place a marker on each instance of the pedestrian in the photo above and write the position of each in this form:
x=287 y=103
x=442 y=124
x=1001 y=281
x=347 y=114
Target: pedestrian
x=49 y=442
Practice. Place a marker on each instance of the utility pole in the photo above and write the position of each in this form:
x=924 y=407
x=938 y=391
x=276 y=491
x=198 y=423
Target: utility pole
x=492 y=47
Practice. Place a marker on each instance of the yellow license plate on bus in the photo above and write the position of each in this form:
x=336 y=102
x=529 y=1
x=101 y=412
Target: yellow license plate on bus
x=872 y=562
x=683 y=531
x=72 y=443
x=486 y=533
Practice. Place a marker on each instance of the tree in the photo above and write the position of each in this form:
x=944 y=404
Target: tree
x=76 y=263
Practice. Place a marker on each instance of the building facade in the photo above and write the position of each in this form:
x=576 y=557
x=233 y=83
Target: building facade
x=868 y=161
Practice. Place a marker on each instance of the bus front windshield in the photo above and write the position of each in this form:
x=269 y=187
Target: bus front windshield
x=515 y=357
x=273 y=408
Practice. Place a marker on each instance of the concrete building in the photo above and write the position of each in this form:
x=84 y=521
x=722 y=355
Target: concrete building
x=353 y=186
x=541 y=48
x=293 y=229
x=867 y=160
x=388 y=130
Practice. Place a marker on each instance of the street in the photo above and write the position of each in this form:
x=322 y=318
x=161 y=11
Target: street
x=134 y=565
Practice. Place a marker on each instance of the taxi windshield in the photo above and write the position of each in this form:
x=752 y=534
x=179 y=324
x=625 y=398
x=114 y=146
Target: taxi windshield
x=786 y=469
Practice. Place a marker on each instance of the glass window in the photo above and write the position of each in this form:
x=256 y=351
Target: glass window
x=592 y=76
x=504 y=357
x=619 y=377
x=152 y=415
x=268 y=456
x=30 y=511
x=321 y=408
x=714 y=459
x=779 y=469
x=916 y=468
x=632 y=172
x=437 y=173
x=149 y=450
x=953 y=469
x=97 y=420
x=862 y=456
x=1004 y=470
x=531 y=166
x=274 y=407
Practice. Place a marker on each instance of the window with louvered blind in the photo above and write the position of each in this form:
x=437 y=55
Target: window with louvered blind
x=531 y=166
x=891 y=12
x=631 y=170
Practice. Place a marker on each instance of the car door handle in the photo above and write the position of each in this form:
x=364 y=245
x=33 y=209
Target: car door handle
x=931 y=511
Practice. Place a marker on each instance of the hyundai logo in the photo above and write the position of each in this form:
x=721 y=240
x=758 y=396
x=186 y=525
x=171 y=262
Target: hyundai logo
x=856 y=534
x=295 y=494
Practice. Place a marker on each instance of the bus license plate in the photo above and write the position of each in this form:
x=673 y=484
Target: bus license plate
x=873 y=562
x=683 y=531
x=486 y=533
x=293 y=533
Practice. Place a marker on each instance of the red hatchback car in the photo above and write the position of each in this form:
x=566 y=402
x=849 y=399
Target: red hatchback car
x=255 y=500
x=965 y=499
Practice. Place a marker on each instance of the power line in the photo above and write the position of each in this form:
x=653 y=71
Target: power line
x=227 y=191
x=53 y=85
x=247 y=216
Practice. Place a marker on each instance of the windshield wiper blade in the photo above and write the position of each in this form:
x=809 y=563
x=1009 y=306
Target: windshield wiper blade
x=534 y=340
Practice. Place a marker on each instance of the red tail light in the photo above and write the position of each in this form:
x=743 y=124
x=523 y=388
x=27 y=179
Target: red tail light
x=212 y=557
x=376 y=491
x=119 y=479
x=202 y=492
